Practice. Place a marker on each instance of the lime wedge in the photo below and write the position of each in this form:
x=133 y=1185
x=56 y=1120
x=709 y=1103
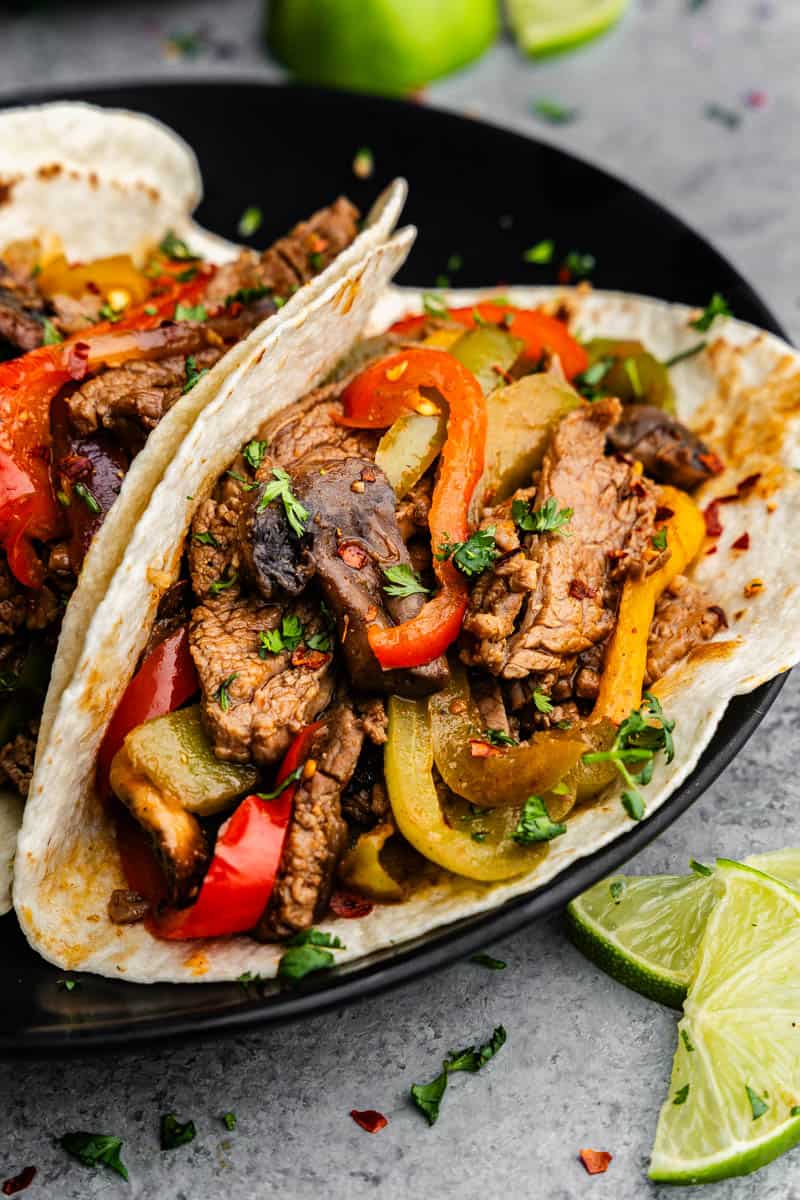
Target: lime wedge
x=548 y=26
x=645 y=930
x=386 y=46
x=734 y=1098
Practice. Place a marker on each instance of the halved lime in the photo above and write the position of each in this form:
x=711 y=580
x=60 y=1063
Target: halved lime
x=386 y=46
x=645 y=930
x=734 y=1098
x=548 y=26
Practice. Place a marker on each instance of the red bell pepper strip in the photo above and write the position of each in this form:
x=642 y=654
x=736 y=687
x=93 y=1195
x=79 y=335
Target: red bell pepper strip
x=165 y=680
x=247 y=855
x=538 y=330
x=374 y=399
x=27 y=387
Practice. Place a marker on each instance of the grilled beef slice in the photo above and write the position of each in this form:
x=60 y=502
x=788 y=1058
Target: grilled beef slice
x=684 y=617
x=317 y=832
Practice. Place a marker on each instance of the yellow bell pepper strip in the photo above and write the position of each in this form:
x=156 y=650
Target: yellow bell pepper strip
x=362 y=869
x=623 y=672
x=447 y=830
x=487 y=775
x=115 y=274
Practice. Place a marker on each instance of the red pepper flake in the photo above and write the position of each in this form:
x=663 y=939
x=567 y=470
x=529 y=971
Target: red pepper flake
x=711 y=550
x=714 y=526
x=595 y=1161
x=77 y=360
x=350 y=905
x=756 y=99
x=742 y=542
x=313 y=659
x=663 y=513
x=354 y=555
x=480 y=749
x=580 y=591
x=18 y=1183
x=369 y=1119
x=743 y=486
x=564 y=275
x=368 y=475
x=712 y=462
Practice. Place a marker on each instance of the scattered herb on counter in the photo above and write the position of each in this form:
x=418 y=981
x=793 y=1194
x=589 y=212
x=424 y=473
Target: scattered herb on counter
x=403 y=581
x=250 y=221
x=18 y=1183
x=428 y=1096
x=308 y=951
x=229 y=1120
x=94 y=1150
x=68 y=985
x=193 y=376
x=639 y=738
x=542 y=252
x=254 y=453
x=475 y=555
x=716 y=307
x=221 y=694
x=174 y=1134
x=281 y=489
x=723 y=116
x=547 y=519
x=534 y=824
x=486 y=960
x=171 y=246
x=552 y=111
x=455 y=262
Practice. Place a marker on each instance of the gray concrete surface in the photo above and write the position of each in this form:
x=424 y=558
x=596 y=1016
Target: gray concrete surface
x=587 y=1062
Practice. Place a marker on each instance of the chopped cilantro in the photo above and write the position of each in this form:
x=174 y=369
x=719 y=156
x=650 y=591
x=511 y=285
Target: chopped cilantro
x=247 y=487
x=475 y=555
x=175 y=248
x=94 y=1150
x=317 y=261
x=51 y=335
x=254 y=453
x=291 y=778
x=547 y=519
x=110 y=314
x=250 y=221
x=229 y=1120
x=305 y=954
x=221 y=695
x=434 y=304
x=486 y=960
x=542 y=702
x=616 y=888
x=281 y=489
x=428 y=1096
x=757 y=1106
x=552 y=111
x=534 y=824
x=222 y=585
x=174 y=1134
x=660 y=538
x=206 y=538
x=320 y=642
x=499 y=737
x=248 y=296
x=87 y=496
x=716 y=307
x=288 y=637
x=186 y=276
x=193 y=376
x=150 y=309
x=68 y=985
x=542 y=252
x=684 y=354
x=402 y=581
x=639 y=738
x=681 y=1094
x=588 y=382
x=190 y=312
x=577 y=265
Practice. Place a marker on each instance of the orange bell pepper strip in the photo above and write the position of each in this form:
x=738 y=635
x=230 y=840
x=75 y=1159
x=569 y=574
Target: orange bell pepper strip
x=538 y=330
x=28 y=384
x=374 y=400
x=626 y=658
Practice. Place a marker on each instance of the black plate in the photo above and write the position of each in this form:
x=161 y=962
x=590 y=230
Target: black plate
x=487 y=195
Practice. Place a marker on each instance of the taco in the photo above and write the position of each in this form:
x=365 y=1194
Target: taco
x=463 y=613
x=115 y=331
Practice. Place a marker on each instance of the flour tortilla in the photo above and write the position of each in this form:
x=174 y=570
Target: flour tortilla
x=742 y=393
x=147 y=182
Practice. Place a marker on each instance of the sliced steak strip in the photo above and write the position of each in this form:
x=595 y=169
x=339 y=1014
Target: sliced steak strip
x=351 y=536
x=543 y=605
x=317 y=833
x=667 y=450
x=684 y=617
x=266 y=700
x=308 y=429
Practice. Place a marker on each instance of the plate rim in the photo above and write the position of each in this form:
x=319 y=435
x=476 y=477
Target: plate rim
x=448 y=943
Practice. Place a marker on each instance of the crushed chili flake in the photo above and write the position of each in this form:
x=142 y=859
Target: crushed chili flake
x=753 y=588
x=663 y=512
x=742 y=542
x=313 y=659
x=481 y=749
x=369 y=1119
x=394 y=373
x=744 y=485
x=18 y=1183
x=354 y=555
x=580 y=591
x=349 y=905
x=712 y=462
x=714 y=526
x=368 y=475
x=711 y=550
x=595 y=1161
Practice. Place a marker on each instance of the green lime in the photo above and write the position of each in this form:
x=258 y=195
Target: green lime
x=386 y=46
x=547 y=26
x=734 y=1097
x=644 y=930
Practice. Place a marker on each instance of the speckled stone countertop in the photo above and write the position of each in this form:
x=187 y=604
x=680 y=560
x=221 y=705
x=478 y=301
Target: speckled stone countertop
x=587 y=1062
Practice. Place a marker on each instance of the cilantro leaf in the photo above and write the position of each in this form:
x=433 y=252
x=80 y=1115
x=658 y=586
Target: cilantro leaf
x=434 y=305
x=87 y=496
x=499 y=737
x=94 y=1150
x=174 y=1134
x=716 y=307
x=222 y=585
x=206 y=538
x=291 y=778
x=660 y=538
x=229 y=1120
x=428 y=1096
x=681 y=1094
x=51 y=335
x=247 y=295
x=403 y=581
x=555 y=113
x=281 y=489
x=171 y=246
x=475 y=555
x=193 y=376
x=542 y=252
x=190 y=312
x=542 y=702
x=588 y=382
x=288 y=637
x=486 y=960
x=250 y=221
x=644 y=732
x=254 y=453
x=221 y=694
x=320 y=642
x=534 y=824
x=757 y=1106
x=305 y=956
x=547 y=519
x=577 y=265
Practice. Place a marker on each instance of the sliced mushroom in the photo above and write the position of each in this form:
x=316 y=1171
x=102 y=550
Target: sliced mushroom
x=668 y=451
